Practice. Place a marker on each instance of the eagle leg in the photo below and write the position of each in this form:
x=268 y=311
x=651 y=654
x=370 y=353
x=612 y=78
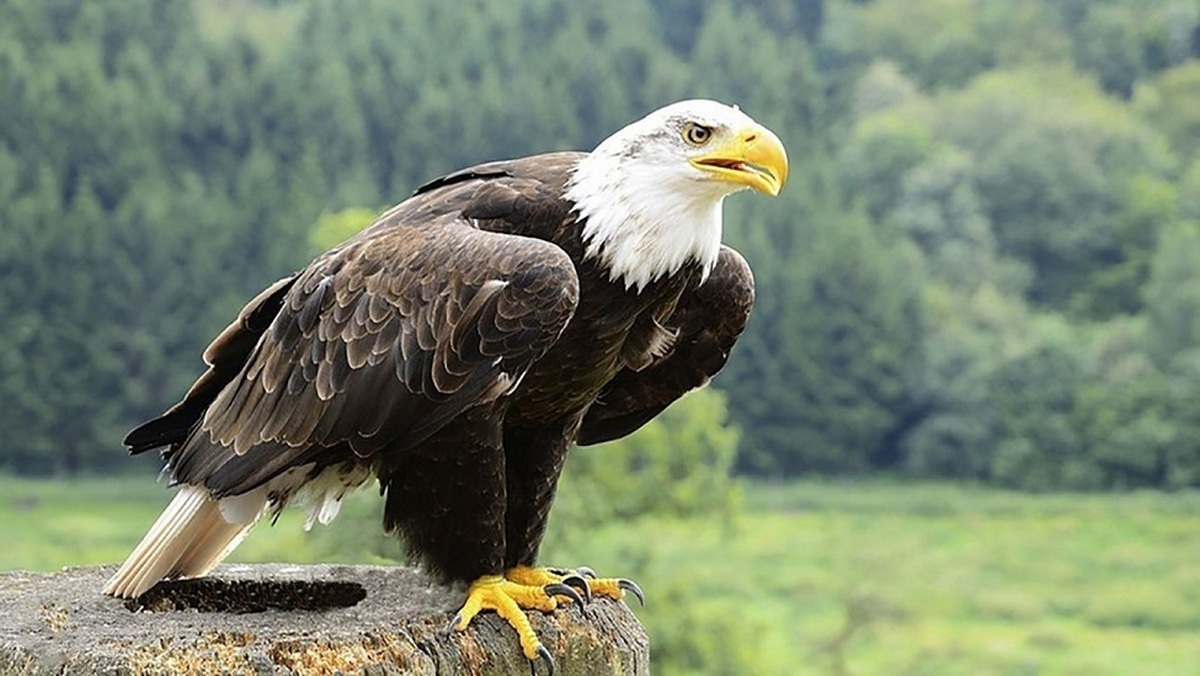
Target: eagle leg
x=510 y=600
x=613 y=588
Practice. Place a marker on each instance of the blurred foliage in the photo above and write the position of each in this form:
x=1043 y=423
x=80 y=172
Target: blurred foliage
x=677 y=465
x=333 y=228
x=983 y=266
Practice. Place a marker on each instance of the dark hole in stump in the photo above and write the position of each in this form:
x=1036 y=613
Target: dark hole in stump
x=210 y=595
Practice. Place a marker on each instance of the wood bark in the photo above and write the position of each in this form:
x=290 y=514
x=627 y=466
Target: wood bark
x=290 y=619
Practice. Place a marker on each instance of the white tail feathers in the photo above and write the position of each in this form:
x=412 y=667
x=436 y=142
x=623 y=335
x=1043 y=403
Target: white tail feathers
x=193 y=534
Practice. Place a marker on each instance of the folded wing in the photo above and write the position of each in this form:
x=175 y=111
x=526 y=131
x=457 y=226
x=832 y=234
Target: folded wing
x=707 y=322
x=376 y=345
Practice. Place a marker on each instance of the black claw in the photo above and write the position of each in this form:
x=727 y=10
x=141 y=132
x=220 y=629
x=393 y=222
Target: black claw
x=631 y=587
x=453 y=622
x=558 y=589
x=543 y=655
x=579 y=583
x=586 y=572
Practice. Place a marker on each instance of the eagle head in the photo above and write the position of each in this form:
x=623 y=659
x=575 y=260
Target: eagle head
x=650 y=195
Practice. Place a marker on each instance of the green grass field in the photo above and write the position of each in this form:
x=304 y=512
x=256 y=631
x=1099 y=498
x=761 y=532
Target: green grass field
x=813 y=577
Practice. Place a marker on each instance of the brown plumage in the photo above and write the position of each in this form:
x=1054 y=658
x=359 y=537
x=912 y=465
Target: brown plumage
x=455 y=350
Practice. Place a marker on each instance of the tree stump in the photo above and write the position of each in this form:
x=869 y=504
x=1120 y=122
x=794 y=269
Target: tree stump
x=291 y=619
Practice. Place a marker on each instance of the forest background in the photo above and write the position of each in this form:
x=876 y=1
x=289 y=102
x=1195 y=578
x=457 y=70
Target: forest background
x=984 y=268
x=982 y=276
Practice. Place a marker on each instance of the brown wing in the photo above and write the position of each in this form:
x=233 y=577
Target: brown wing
x=380 y=343
x=708 y=318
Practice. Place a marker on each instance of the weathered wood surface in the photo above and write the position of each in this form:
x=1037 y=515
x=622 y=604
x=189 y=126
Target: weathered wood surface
x=285 y=619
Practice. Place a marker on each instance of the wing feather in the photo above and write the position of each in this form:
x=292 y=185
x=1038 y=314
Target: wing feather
x=706 y=323
x=380 y=343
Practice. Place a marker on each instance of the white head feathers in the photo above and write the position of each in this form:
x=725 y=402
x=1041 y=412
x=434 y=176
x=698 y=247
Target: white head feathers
x=647 y=209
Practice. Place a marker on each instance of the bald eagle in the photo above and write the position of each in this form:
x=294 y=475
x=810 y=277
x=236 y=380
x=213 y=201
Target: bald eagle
x=456 y=349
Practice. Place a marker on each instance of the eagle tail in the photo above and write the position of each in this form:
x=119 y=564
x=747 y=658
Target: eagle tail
x=193 y=534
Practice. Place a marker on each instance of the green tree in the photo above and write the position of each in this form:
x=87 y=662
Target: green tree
x=971 y=335
x=125 y=253
x=819 y=376
x=1127 y=420
x=1171 y=102
x=1054 y=159
x=937 y=42
x=1063 y=173
x=1039 y=445
x=1108 y=43
x=883 y=147
x=939 y=210
x=1173 y=298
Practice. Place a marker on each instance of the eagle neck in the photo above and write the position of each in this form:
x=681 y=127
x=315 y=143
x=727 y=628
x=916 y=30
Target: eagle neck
x=643 y=227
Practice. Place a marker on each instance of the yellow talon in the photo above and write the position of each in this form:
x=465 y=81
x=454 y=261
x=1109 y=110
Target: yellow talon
x=508 y=599
x=613 y=588
x=533 y=577
x=609 y=587
x=526 y=588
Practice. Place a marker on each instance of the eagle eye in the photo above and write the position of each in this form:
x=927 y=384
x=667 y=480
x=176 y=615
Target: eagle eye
x=696 y=134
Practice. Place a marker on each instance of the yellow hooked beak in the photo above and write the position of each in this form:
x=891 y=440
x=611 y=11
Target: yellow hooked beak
x=753 y=157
